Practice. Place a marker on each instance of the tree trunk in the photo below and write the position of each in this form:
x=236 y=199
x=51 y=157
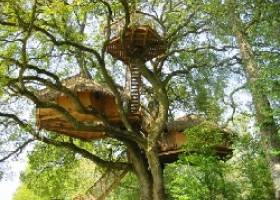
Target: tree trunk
x=157 y=174
x=264 y=117
x=141 y=171
x=149 y=172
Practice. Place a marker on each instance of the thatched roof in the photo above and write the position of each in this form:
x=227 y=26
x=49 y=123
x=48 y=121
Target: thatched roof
x=75 y=84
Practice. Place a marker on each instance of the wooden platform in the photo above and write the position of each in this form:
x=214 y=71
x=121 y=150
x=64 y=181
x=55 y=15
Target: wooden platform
x=170 y=148
x=139 y=42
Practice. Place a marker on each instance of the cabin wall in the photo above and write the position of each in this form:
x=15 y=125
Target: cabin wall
x=51 y=120
x=104 y=104
x=172 y=141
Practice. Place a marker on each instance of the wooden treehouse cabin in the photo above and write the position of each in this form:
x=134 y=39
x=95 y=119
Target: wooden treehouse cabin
x=171 y=144
x=91 y=94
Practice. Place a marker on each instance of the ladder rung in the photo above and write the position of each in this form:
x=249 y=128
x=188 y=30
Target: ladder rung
x=134 y=89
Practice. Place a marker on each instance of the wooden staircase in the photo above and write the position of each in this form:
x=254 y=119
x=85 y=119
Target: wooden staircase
x=135 y=84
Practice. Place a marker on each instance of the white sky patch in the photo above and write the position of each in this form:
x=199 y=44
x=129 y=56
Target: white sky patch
x=10 y=181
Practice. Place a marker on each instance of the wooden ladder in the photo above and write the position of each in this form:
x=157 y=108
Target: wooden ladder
x=135 y=83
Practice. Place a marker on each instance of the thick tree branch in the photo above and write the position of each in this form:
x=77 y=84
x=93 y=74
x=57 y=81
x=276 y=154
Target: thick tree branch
x=126 y=11
x=86 y=154
x=68 y=145
x=161 y=93
x=108 y=27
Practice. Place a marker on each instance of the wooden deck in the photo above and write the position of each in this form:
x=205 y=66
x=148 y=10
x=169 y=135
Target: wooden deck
x=141 y=41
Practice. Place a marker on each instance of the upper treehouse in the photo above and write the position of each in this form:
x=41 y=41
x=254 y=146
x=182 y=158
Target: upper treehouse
x=137 y=42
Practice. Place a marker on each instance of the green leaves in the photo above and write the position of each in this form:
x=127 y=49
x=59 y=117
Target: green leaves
x=204 y=137
x=200 y=177
x=24 y=193
x=56 y=173
x=3 y=77
x=66 y=35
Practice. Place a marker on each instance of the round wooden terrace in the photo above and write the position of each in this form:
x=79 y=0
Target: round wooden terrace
x=140 y=42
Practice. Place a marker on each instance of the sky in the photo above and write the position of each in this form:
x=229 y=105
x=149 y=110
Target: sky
x=10 y=182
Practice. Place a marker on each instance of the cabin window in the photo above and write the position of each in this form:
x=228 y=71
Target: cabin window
x=97 y=95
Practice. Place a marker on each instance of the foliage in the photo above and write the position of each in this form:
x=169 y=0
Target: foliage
x=127 y=190
x=56 y=173
x=24 y=193
x=254 y=168
x=202 y=72
x=204 y=137
x=198 y=176
x=203 y=179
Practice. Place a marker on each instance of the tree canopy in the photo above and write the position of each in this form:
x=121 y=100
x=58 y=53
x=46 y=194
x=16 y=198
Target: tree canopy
x=214 y=86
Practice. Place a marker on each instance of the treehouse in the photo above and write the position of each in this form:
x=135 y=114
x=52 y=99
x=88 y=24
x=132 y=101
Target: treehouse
x=207 y=138
x=91 y=94
x=170 y=146
x=141 y=42
x=136 y=43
